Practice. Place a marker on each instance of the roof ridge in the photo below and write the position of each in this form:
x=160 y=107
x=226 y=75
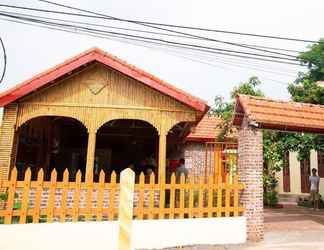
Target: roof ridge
x=104 y=57
x=269 y=99
x=49 y=70
x=149 y=75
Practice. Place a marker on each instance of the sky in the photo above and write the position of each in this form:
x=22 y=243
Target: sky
x=30 y=50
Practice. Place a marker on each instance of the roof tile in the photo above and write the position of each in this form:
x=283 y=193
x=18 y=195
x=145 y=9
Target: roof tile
x=283 y=115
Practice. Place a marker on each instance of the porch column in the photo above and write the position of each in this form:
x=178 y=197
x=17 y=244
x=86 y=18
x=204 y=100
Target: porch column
x=162 y=157
x=250 y=165
x=92 y=133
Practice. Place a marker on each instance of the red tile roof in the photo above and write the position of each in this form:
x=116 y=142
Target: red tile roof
x=206 y=130
x=98 y=55
x=282 y=115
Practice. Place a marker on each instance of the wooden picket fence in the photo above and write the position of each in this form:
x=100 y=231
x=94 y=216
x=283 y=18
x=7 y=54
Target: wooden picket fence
x=39 y=201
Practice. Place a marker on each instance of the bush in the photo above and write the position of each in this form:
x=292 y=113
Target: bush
x=270 y=198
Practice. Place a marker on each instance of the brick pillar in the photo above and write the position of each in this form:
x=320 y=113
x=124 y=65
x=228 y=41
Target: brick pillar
x=250 y=165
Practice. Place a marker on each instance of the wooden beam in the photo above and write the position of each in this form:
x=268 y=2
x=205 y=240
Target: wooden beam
x=162 y=157
x=91 y=153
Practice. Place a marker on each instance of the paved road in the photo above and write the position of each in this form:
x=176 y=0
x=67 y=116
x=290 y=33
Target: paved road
x=285 y=229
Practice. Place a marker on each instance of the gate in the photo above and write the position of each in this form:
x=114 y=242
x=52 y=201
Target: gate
x=220 y=160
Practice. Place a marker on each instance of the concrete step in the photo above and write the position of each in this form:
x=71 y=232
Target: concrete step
x=289 y=200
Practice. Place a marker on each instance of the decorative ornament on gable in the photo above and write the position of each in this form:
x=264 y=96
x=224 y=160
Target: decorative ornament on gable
x=96 y=81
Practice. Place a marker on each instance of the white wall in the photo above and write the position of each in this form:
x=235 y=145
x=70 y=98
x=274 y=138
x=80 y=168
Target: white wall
x=147 y=234
x=294 y=164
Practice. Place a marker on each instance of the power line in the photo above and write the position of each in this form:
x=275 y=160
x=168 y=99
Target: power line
x=136 y=30
x=164 y=29
x=225 y=68
x=4 y=61
x=103 y=16
x=177 y=54
x=193 y=28
x=100 y=35
x=228 y=52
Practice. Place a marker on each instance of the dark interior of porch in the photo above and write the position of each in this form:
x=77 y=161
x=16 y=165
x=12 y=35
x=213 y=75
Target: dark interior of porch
x=50 y=142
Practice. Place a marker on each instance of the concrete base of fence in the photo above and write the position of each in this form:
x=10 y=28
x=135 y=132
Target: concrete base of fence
x=147 y=234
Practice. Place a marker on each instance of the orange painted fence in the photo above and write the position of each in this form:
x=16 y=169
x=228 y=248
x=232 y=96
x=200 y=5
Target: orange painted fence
x=39 y=201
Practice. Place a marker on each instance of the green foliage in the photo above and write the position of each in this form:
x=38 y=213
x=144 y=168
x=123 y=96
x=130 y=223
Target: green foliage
x=248 y=88
x=225 y=109
x=221 y=108
x=270 y=198
x=314 y=59
x=3 y=196
x=305 y=89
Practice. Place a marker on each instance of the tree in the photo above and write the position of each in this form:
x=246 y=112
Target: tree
x=314 y=59
x=306 y=89
x=225 y=109
x=272 y=140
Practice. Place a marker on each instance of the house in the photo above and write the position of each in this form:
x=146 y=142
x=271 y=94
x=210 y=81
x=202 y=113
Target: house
x=92 y=112
x=288 y=116
x=293 y=180
x=204 y=154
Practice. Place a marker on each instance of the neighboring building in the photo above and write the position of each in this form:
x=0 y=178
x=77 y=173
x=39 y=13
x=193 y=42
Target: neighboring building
x=293 y=179
x=203 y=153
x=288 y=116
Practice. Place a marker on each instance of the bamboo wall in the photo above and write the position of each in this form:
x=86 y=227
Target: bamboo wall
x=94 y=96
x=97 y=95
x=7 y=141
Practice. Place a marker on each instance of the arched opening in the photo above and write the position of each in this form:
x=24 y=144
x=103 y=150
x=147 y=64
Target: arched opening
x=50 y=142
x=123 y=143
x=175 y=147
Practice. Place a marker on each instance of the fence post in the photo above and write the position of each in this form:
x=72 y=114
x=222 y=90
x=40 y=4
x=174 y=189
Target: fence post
x=127 y=182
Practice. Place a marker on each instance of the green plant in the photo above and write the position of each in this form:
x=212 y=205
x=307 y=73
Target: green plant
x=270 y=198
x=3 y=196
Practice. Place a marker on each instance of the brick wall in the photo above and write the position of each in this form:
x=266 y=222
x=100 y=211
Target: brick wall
x=250 y=165
x=194 y=154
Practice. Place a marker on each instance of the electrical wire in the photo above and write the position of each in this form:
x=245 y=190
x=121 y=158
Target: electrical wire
x=159 y=40
x=135 y=30
x=4 y=60
x=164 y=29
x=103 y=16
x=193 y=28
x=74 y=31
x=241 y=65
x=172 y=53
